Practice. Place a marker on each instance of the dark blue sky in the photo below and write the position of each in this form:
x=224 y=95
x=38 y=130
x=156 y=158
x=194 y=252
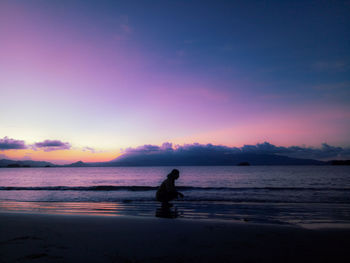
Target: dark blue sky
x=278 y=47
x=147 y=72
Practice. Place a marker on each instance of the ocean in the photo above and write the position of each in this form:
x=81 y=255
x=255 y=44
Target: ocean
x=282 y=194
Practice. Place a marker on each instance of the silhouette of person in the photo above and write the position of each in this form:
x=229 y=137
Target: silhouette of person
x=167 y=191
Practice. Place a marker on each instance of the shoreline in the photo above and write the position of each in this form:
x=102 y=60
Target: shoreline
x=307 y=215
x=82 y=238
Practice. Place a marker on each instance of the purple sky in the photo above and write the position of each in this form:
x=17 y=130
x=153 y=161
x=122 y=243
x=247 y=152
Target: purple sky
x=106 y=75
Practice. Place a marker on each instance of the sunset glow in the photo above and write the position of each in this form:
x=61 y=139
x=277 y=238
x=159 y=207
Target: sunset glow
x=103 y=76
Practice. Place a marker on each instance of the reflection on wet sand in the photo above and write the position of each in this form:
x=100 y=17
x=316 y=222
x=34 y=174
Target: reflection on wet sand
x=77 y=208
x=281 y=213
x=167 y=212
x=91 y=208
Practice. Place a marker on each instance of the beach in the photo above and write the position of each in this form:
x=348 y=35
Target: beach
x=26 y=237
x=242 y=214
x=174 y=131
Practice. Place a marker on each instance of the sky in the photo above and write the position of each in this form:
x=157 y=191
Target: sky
x=85 y=80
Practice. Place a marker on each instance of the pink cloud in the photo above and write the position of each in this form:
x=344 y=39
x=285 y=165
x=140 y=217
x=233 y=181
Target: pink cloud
x=11 y=144
x=52 y=145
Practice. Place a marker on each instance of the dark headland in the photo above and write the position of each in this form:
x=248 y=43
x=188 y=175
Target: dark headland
x=241 y=159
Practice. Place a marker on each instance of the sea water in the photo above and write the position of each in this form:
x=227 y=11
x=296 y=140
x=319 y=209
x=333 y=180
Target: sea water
x=225 y=192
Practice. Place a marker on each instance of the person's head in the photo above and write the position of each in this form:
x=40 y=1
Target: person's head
x=175 y=174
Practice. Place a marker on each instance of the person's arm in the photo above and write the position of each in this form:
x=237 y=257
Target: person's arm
x=172 y=189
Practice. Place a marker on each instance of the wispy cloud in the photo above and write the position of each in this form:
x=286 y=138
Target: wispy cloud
x=226 y=48
x=125 y=25
x=329 y=65
x=188 y=41
x=333 y=86
x=179 y=58
x=126 y=28
x=92 y=150
x=180 y=53
x=10 y=144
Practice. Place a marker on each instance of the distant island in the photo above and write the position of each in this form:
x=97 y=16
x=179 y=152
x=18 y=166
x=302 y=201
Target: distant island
x=340 y=162
x=24 y=164
x=243 y=164
x=182 y=159
x=217 y=158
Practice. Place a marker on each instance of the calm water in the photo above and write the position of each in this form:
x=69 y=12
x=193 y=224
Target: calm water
x=261 y=192
x=301 y=184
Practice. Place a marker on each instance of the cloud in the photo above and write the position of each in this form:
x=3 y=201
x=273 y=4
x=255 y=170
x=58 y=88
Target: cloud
x=188 y=41
x=9 y=144
x=148 y=149
x=325 y=152
x=180 y=53
x=47 y=145
x=329 y=66
x=90 y=149
x=226 y=48
x=52 y=145
x=124 y=19
x=126 y=28
x=124 y=24
x=333 y=86
x=179 y=58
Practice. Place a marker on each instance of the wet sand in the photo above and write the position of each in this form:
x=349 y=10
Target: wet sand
x=77 y=238
x=310 y=215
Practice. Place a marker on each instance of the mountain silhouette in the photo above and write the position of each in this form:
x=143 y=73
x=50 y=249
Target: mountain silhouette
x=206 y=159
x=26 y=163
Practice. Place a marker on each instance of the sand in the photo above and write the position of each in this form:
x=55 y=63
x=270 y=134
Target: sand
x=76 y=238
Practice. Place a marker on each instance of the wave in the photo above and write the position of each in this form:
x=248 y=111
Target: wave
x=195 y=201
x=153 y=188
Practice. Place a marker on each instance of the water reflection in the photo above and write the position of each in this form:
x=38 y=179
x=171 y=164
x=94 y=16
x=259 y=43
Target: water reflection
x=167 y=212
x=68 y=208
x=290 y=213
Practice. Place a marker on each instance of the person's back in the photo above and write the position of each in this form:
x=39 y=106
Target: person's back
x=167 y=191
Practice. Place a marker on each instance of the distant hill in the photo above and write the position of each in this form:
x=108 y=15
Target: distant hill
x=26 y=163
x=178 y=159
x=207 y=159
x=78 y=164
